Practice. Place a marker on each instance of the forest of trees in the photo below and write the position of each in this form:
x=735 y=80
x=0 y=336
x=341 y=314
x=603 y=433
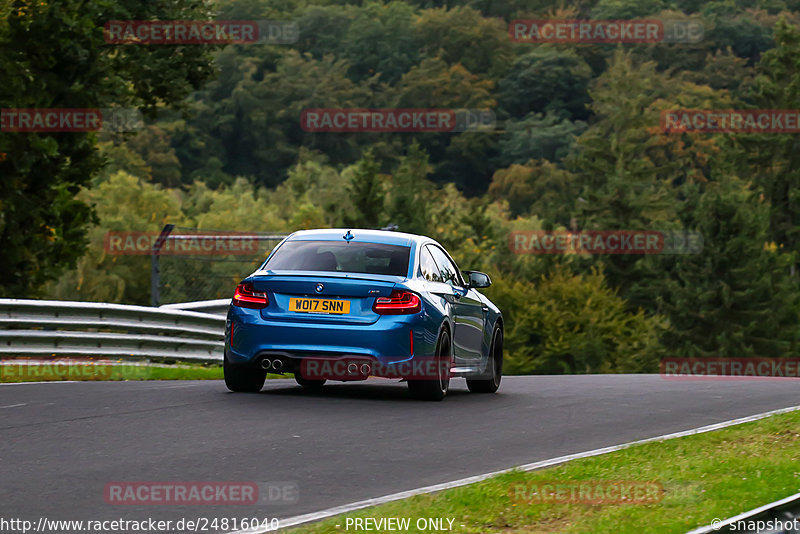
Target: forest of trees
x=577 y=145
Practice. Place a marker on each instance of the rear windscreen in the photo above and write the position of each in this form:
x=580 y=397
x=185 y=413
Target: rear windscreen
x=369 y=258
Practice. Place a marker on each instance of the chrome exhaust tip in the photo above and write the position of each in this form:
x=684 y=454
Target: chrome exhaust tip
x=352 y=368
x=266 y=364
x=277 y=365
x=365 y=369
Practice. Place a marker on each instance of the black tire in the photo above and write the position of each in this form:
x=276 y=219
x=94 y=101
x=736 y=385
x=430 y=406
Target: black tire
x=435 y=390
x=311 y=385
x=491 y=384
x=243 y=378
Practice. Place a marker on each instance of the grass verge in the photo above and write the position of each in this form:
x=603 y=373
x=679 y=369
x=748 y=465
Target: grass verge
x=712 y=475
x=46 y=372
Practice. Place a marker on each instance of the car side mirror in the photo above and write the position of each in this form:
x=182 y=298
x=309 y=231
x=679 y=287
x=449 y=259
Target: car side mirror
x=477 y=279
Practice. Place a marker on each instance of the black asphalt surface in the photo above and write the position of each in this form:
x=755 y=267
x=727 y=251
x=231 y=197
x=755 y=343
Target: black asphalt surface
x=60 y=444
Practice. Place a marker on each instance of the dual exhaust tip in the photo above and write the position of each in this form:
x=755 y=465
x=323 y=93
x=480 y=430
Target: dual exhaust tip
x=268 y=364
x=352 y=368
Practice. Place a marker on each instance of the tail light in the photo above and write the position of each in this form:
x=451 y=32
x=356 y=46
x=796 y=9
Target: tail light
x=247 y=297
x=398 y=303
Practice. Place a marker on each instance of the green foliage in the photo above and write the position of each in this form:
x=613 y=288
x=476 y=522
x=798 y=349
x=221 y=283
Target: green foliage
x=539 y=187
x=431 y=54
x=153 y=147
x=626 y=9
x=546 y=79
x=410 y=192
x=724 y=70
x=630 y=171
x=462 y=36
x=123 y=203
x=734 y=299
x=249 y=119
x=773 y=161
x=538 y=137
x=381 y=41
x=746 y=37
x=573 y=324
x=120 y=157
x=578 y=145
x=322 y=29
x=53 y=55
x=367 y=194
x=240 y=206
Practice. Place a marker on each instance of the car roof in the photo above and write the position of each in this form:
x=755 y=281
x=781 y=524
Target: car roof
x=359 y=235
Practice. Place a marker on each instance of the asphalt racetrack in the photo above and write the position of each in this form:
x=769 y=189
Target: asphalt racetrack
x=61 y=443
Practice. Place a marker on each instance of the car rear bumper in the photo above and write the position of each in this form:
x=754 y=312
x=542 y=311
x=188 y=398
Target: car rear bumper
x=382 y=344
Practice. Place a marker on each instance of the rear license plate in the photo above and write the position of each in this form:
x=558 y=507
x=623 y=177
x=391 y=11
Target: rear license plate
x=319 y=305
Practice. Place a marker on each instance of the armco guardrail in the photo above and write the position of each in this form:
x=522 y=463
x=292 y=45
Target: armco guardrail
x=215 y=307
x=64 y=328
x=779 y=517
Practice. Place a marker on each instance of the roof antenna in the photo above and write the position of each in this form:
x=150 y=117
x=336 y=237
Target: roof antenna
x=348 y=236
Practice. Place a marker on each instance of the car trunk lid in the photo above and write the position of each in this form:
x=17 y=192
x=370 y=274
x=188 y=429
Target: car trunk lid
x=321 y=296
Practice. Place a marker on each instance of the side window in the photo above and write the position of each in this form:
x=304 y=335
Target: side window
x=447 y=268
x=428 y=267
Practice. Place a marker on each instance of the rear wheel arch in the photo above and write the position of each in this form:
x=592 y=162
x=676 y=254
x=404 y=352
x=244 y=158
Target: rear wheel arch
x=498 y=324
x=435 y=390
x=491 y=383
x=445 y=326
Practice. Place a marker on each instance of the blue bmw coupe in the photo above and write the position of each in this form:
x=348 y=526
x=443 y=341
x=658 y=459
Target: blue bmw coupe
x=342 y=304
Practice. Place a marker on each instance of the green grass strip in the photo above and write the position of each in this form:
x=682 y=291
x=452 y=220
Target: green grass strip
x=701 y=477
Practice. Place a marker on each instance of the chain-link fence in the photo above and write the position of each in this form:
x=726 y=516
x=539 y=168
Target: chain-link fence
x=204 y=265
